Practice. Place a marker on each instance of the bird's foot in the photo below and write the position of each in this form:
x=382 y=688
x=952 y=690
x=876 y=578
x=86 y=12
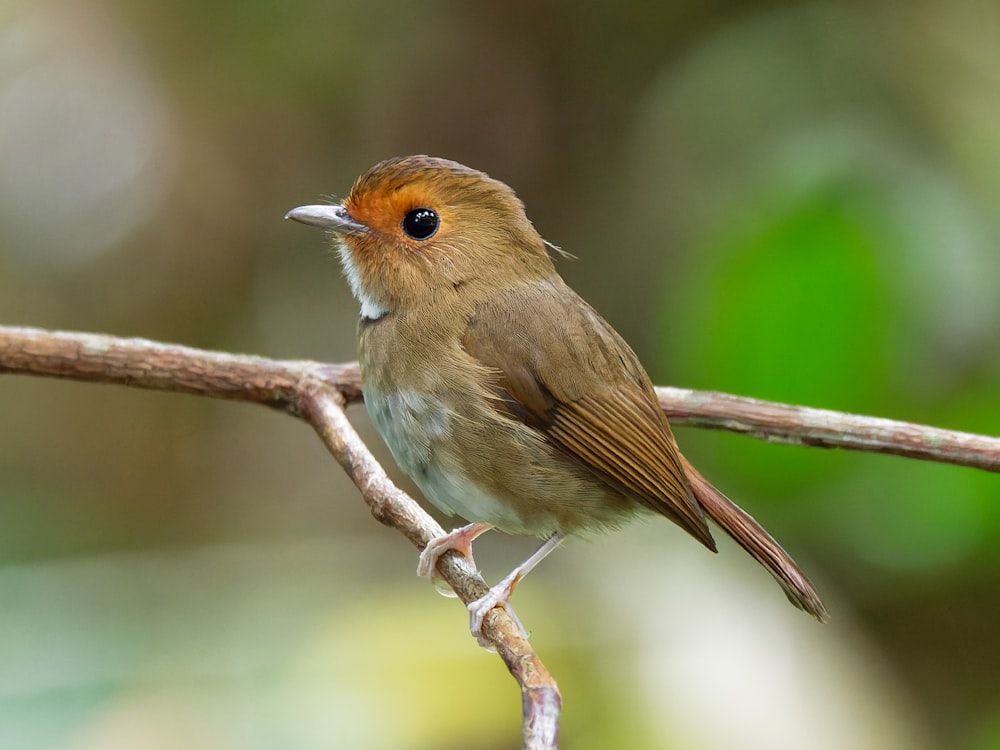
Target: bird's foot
x=460 y=540
x=498 y=596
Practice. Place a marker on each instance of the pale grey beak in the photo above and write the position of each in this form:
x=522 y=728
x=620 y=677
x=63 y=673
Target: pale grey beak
x=334 y=218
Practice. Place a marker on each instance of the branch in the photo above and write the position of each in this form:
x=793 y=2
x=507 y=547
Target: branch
x=541 y=702
x=149 y=364
x=318 y=392
x=801 y=425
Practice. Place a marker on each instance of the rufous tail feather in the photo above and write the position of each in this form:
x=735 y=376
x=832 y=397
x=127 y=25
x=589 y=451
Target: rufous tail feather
x=749 y=534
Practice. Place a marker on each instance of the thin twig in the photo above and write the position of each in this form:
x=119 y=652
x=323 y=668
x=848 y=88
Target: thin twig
x=541 y=701
x=802 y=425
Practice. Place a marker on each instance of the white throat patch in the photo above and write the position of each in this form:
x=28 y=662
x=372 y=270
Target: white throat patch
x=370 y=309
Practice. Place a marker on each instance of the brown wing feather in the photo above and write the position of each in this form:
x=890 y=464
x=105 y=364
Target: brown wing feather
x=597 y=405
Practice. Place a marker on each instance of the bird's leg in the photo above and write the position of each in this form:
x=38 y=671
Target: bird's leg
x=460 y=540
x=499 y=594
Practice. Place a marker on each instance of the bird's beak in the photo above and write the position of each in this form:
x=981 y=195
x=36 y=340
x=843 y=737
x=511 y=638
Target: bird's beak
x=335 y=218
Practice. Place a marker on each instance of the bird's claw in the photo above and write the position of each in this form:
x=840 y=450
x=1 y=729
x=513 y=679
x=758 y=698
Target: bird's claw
x=499 y=595
x=459 y=540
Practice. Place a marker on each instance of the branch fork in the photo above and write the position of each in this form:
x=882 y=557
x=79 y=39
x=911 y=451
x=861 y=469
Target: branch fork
x=319 y=393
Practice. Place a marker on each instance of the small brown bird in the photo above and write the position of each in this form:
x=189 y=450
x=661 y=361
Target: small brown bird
x=505 y=397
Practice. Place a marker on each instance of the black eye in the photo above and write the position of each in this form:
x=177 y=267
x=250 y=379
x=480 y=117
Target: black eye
x=421 y=223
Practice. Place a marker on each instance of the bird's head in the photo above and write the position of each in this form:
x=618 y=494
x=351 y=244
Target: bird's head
x=415 y=227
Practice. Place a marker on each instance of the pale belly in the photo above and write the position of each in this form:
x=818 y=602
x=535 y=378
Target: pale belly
x=420 y=432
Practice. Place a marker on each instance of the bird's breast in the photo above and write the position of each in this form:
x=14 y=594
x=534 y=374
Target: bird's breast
x=428 y=400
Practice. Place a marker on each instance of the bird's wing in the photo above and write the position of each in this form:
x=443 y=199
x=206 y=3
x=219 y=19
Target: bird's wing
x=561 y=369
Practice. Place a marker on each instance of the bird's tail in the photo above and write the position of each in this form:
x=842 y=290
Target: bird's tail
x=749 y=534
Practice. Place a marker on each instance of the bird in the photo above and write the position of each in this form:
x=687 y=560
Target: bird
x=507 y=399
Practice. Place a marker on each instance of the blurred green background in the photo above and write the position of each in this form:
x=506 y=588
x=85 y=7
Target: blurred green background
x=793 y=201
